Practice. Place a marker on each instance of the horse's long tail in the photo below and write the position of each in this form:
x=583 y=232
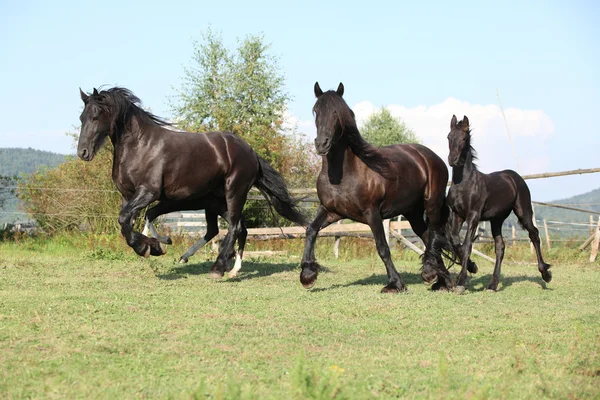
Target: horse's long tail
x=273 y=187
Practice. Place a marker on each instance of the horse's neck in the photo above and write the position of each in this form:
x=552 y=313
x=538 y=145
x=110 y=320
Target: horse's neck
x=126 y=139
x=338 y=161
x=466 y=172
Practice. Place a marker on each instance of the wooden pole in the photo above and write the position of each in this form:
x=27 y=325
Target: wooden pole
x=595 y=243
x=587 y=242
x=547 y=235
x=407 y=242
x=591 y=225
x=514 y=236
x=386 y=229
x=336 y=244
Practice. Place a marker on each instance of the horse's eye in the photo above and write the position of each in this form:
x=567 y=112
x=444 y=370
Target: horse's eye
x=95 y=118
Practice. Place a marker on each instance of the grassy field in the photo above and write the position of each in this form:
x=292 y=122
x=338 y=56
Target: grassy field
x=83 y=318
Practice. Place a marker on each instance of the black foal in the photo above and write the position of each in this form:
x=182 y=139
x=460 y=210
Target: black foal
x=475 y=196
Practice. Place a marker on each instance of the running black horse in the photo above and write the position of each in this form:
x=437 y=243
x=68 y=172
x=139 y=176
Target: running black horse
x=475 y=196
x=368 y=184
x=181 y=170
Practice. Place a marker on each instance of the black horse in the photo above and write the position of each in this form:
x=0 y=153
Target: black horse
x=181 y=170
x=369 y=184
x=475 y=196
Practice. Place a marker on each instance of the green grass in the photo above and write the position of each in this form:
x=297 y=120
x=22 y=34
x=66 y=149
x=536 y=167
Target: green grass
x=83 y=318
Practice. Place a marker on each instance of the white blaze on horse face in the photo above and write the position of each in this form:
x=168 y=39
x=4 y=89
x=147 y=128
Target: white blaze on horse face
x=236 y=267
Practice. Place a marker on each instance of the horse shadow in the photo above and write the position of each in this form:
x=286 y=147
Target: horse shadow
x=408 y=278
x=250 y=270
x=505 y=282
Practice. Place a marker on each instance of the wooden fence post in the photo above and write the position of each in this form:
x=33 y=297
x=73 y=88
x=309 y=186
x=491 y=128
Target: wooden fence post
x=514 y=236
x=595 y=242
x=336 y=244
x=547 y=235
x=386 y=229
x=591 y=225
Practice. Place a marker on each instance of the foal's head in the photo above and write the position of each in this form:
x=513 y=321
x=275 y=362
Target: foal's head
x=459 y=140
x=332 y=117
x=95 y=124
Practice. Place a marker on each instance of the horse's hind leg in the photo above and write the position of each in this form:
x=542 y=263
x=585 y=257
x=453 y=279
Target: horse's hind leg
x=524 y=213
x=499 y=244
x=240 y=254
x=212 y=229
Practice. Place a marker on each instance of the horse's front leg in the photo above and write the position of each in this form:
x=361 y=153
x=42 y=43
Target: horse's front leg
x=395 y=283
x=472 y=221
x=310 y=268
x=141 y=244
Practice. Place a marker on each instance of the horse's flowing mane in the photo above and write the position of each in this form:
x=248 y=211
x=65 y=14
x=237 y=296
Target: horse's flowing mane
x=121 y=103
x=468 y=145
x=331 y=103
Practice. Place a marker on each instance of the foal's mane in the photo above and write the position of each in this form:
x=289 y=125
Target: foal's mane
x=468 y=144
x=121 y=103
x=332 y=103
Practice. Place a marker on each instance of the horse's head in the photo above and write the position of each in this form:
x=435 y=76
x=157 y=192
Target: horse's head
x=332 y=114
x=459 y=141
x=95 y=125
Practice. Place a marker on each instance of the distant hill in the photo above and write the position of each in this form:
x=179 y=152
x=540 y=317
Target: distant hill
x=18 y=162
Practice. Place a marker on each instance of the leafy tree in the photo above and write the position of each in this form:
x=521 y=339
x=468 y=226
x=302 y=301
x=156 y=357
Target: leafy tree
x=240 y=92
x=383 y=129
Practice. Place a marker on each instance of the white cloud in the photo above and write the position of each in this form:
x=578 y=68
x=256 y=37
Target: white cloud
x=530 y=131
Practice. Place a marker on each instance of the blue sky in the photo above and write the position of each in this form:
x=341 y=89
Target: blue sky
x=423 y=60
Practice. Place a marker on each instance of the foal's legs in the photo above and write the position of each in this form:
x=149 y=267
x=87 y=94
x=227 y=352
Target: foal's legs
x=499 y=244
x=395 y=283
x=455 y=224
x=472 y=221
x=310 y=268
x=524 y=213
x=141 y=244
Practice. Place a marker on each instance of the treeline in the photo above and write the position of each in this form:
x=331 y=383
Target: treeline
x=17 y=161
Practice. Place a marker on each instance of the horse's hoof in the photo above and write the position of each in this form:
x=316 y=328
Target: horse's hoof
x=147 y=252
x=459 y=289
x=547 y=276
x=472 y=267
x=439 y=287
x=156 y=247
x=308 y=277
x=215 y=275
x=310 y=285
x=168 y=240
x=183 y=260
x=393 y=289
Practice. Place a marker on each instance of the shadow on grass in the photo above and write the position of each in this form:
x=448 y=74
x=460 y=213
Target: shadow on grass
x=250 y=270
x=505 y=282
x=409 y=278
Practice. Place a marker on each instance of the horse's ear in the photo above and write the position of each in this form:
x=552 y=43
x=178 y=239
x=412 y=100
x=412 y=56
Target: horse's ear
x=84 y=96
x=318 y=91
x=340 y=89
x=95 y=92
x=453 y=122
x=465 y=122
